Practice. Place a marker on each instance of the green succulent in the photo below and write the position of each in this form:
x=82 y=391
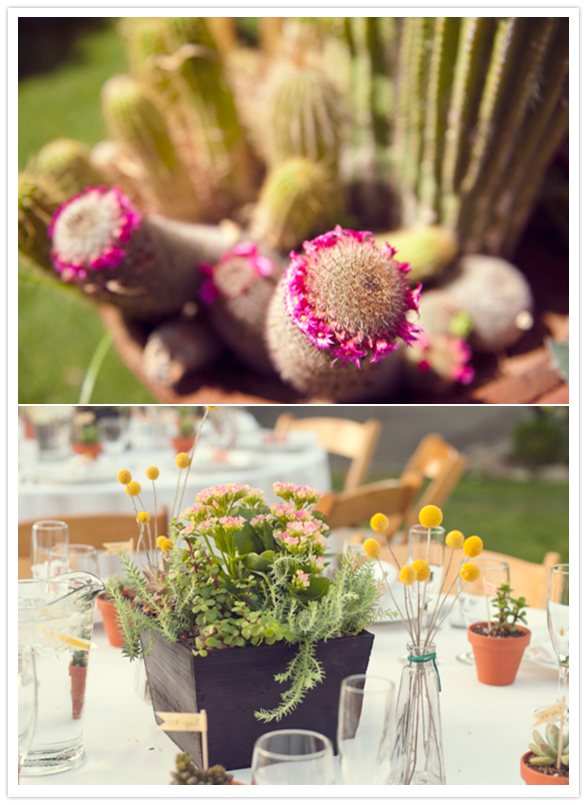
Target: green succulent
x=545 y=752
x=187 y=773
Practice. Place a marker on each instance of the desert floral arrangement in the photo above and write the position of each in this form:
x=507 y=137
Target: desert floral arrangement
x=234 y=571
x=419 y=572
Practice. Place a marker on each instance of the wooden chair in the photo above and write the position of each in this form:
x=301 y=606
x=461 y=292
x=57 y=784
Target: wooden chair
x=438 y=462
x=343 y=437
x=87 y=529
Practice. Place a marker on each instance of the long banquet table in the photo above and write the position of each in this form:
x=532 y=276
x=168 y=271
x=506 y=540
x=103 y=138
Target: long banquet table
x=485 y=729
x=54 y=489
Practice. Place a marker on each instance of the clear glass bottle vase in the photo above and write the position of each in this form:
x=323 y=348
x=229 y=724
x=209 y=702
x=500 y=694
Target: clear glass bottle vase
x=418 y=757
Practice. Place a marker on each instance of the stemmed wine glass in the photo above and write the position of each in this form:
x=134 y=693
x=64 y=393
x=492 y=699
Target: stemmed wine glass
x=27 y=702
x=428 y=544
x=557 y=611
x=293 y=757
x=494 y=572
x=366 y=728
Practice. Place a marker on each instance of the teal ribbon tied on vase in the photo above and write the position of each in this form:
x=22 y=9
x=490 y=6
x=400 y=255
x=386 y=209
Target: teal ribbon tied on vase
x=418 y=757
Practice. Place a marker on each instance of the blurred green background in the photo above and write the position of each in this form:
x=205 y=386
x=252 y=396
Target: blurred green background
x=63 y=64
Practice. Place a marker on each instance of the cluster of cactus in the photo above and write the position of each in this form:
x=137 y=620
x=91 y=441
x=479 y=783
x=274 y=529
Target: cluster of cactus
x=437 y=131
x=187 y=773
x=545 y=753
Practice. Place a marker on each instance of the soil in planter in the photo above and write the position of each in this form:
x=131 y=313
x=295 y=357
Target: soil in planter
x=483 y=630
x=548 y=771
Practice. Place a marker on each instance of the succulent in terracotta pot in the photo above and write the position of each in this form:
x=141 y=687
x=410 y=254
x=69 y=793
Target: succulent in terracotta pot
x=541 y=765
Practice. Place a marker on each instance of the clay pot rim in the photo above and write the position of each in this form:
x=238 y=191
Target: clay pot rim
x=530 y=772
x=498 y=643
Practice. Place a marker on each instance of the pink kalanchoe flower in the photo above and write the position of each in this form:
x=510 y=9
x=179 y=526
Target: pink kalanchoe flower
x=349 y=297
x=91 y=232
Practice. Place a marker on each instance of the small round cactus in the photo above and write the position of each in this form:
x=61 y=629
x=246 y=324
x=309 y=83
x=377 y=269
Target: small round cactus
x=37 y=202
x=178 y=347
x=439 y=314
x=497 y=298
x=187 y=773
x=239 y=289
x=343 y=300
x=436 y=362
x=299 y=197
x=66 y=164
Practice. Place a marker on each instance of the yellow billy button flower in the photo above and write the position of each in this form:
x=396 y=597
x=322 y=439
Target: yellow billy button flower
x=470 y=571
x=473 y=546
x=133 y=488
x=407 y=575
x=422 y=569
x=372 y=548
x=182 y=460
x=379 y=522
x=211 y=407
x=152 y=473
x=455 y=539
x=124 y=477
x=143 y=517
x=165 y=544
x=430 y=516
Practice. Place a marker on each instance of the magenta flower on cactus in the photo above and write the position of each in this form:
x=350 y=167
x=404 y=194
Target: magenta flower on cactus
x=91 y=232
x=259 y=265
x=350 y=297
x=447 y=355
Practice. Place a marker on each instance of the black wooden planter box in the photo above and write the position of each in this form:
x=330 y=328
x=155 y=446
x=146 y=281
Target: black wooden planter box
x=232 y=684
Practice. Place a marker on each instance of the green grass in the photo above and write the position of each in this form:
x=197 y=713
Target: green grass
x=519 y=518
x=59 y=331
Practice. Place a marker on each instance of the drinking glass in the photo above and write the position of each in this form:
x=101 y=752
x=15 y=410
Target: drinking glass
x=63 y=558
x=427 y=544
x=27 y=702
x=47 y=534
x=366 y=729
x=557 y=612
x=473 y=607
x=293 y=757
x=112 y=434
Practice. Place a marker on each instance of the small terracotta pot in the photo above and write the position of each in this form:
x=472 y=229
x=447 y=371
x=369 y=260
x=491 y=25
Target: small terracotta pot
x=497 y=659
x=183 y=444
x=535 y=777
x=110 y=618
x=78 y=688
x=92 y=450
x=234 y=782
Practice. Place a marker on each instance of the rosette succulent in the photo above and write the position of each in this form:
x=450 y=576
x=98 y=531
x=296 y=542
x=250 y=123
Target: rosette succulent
x=342 y=300
x=187 y=773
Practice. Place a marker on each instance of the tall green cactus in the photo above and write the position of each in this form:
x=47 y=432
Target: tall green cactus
x=481 y=109
x=136 y=122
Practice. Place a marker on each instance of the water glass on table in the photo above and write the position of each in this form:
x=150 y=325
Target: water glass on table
x=63 y=559
x=427 y=544
x=27 y=702
x=47 y=534
x=293 y=757
x=475 y=604
x=366 y=729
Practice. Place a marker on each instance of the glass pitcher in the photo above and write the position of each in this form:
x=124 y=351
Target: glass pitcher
x=55 y=619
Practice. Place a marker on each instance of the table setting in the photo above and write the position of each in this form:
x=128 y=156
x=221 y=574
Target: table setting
x=247 y=650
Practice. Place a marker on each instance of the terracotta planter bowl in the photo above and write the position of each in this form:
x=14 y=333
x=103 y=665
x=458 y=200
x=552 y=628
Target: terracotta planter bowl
x=92 y=450
x=497 y=659
x=109 y=616
x=535 y=777
x=183 y=444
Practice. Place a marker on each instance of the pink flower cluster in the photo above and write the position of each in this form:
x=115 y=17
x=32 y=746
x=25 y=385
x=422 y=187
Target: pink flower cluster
x=300 y=302
x=258 y=263
x=299 y=494
x=111 y=251
x=301 y=579
x=215 y=495
x=447 y=355
x=231 y=523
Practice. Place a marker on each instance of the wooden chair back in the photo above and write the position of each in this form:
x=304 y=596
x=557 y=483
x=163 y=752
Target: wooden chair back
x=88 y=529
x=357 y=507
x=440 y=463
x=342 y=437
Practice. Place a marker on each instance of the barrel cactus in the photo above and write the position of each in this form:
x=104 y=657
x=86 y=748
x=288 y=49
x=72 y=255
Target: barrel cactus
x=343 y=299
x=66 y=164
x=38 y=200
x=187 y=773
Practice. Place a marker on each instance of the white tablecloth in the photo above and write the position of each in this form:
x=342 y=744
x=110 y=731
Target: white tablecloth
x=485 y=729
x=96 y=489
